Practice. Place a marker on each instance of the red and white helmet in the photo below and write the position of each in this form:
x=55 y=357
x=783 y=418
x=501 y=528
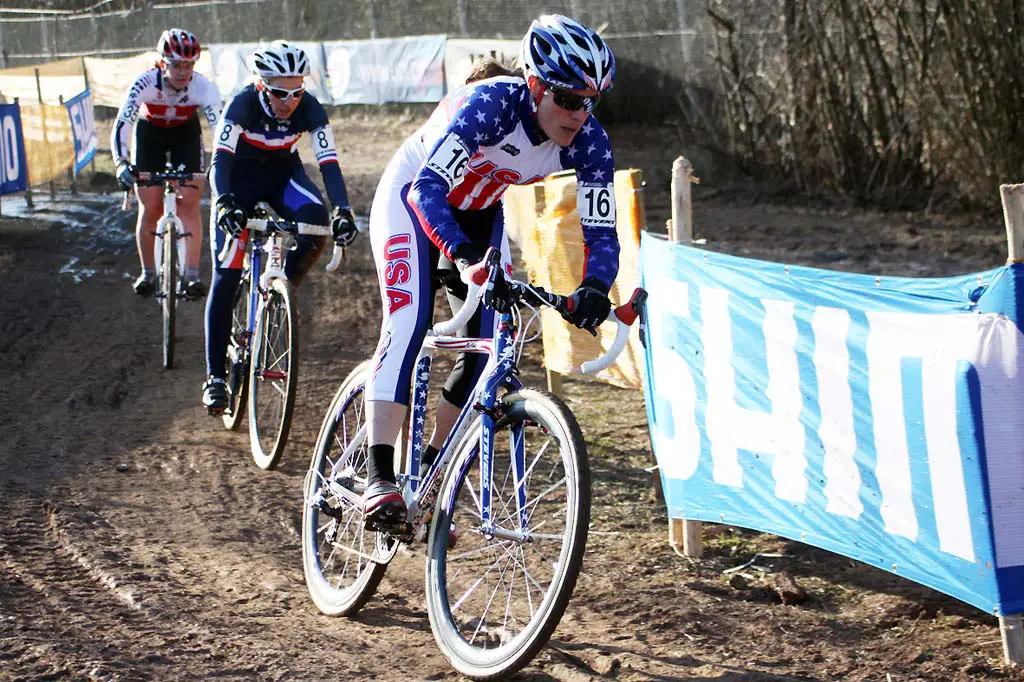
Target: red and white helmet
x=178 y=45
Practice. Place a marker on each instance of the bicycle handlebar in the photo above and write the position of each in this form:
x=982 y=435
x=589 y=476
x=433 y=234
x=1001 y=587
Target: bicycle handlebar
x=274 y=225
x=485 y=274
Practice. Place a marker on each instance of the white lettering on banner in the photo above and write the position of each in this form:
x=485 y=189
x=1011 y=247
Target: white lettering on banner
x=684 y=445
x=838 y=439
x=940 y=341
x=778 y=432
x=11 y=162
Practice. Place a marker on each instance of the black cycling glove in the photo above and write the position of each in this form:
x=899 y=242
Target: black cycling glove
x=343 y=225
x=590 y=305
x=230 y=215
x=126 y=175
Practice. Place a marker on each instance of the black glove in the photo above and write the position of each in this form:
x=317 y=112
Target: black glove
x=126 y=175
x=590 y=305
x=466 y=255
x=343 y=225
x=230 y=216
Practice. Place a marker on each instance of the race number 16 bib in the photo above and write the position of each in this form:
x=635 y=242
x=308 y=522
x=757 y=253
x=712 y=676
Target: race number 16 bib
x=450 y=160
x=596 y=204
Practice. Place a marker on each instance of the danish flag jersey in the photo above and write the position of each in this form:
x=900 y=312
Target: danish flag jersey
x=160 y=104
x=484 y=137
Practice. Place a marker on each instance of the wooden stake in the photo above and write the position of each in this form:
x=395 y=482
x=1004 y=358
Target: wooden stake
x=1011 y=627
x=683 y=533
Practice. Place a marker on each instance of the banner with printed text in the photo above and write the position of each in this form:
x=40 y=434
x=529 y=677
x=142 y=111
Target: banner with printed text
x=461 y=54
x=83 y=129
x=875 y=417
x=386 y=70
x=13 y=170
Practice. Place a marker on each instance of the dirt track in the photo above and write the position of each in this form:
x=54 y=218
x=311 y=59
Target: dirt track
x=138 y=541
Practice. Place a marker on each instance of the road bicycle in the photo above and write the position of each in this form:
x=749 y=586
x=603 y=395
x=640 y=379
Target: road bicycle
x=168 y=248
x=263 y=348
x=504 y=508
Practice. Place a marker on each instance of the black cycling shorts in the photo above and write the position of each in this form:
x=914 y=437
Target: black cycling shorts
x=152 y=142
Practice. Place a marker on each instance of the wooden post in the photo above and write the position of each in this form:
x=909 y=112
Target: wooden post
x=71 y=170
x=28 y=179
x=1013 y=216
x=682 y=532
x=1011 y=627
x=46 y=139
x=85 y=77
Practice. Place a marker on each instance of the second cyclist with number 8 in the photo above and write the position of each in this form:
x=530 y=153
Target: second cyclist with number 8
x=440 y=198
x=254 y=160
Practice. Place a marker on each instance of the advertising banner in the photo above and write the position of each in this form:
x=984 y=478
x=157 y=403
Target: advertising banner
x=876 y=417
x=462 y=53
x=232 y=72
x=386 y=70
x=13 y=170
x=83 y=129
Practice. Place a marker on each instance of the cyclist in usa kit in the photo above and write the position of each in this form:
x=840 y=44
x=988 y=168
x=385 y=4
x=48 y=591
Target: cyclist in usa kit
x=162 y=108
x=438 y=207
x=256 y=159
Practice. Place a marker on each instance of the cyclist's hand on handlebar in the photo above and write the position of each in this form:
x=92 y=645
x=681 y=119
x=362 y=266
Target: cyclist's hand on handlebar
x=230 y=215
x=465 y=255
x=590 y=305
x=343 y=225
x=125 y=175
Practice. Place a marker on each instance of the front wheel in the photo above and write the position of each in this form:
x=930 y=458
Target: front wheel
x=342 y=562
x=237 y=359
x=273 y=366
x=168 y=276
x=495 y=597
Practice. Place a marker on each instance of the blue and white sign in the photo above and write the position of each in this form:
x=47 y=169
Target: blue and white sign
x=876 y=417
x=83 y=128
x=13 y=169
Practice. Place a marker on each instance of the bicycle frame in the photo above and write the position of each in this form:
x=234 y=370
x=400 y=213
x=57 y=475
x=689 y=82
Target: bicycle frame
x=169 y=220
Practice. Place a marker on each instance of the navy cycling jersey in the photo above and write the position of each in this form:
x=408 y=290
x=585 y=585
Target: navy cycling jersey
x=484 y=137
x=249 y=132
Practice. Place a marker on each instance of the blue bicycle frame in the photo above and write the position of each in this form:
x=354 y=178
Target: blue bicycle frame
x=499 y=372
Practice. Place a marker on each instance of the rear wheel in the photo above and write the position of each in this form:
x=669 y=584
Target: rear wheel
x=343 y=562
x=495 y=597
x=168 y=291
x=273 y=366
x=237 y=360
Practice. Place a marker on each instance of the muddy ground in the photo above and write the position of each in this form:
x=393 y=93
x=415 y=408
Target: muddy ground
x=139 y=542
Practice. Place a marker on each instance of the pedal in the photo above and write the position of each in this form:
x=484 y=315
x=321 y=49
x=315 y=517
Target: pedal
x=215 y=411
x=400 y=530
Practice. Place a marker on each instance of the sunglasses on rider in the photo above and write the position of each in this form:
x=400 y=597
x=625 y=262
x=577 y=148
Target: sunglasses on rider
x=573 y=101
x=282 y=93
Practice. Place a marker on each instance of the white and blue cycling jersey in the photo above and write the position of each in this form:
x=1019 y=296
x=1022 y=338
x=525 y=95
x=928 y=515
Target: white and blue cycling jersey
x=483 y=138
x=248 y=133
x=443 y=188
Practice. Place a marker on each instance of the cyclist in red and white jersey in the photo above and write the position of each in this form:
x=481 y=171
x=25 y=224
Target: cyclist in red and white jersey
x=162 y=107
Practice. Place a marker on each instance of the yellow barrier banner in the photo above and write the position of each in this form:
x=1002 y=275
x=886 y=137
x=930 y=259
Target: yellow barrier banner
x=543 y=221
x=49 y=141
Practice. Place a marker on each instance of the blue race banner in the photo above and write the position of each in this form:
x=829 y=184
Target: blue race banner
x=13 y=169
x=83 y=128
x=876 y=417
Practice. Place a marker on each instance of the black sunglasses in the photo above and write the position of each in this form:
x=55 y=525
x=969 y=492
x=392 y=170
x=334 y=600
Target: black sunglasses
x=281 y=93
x=573 y=101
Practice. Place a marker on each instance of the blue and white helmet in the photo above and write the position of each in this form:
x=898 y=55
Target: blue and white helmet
x=279 y=59
x=567 y=54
